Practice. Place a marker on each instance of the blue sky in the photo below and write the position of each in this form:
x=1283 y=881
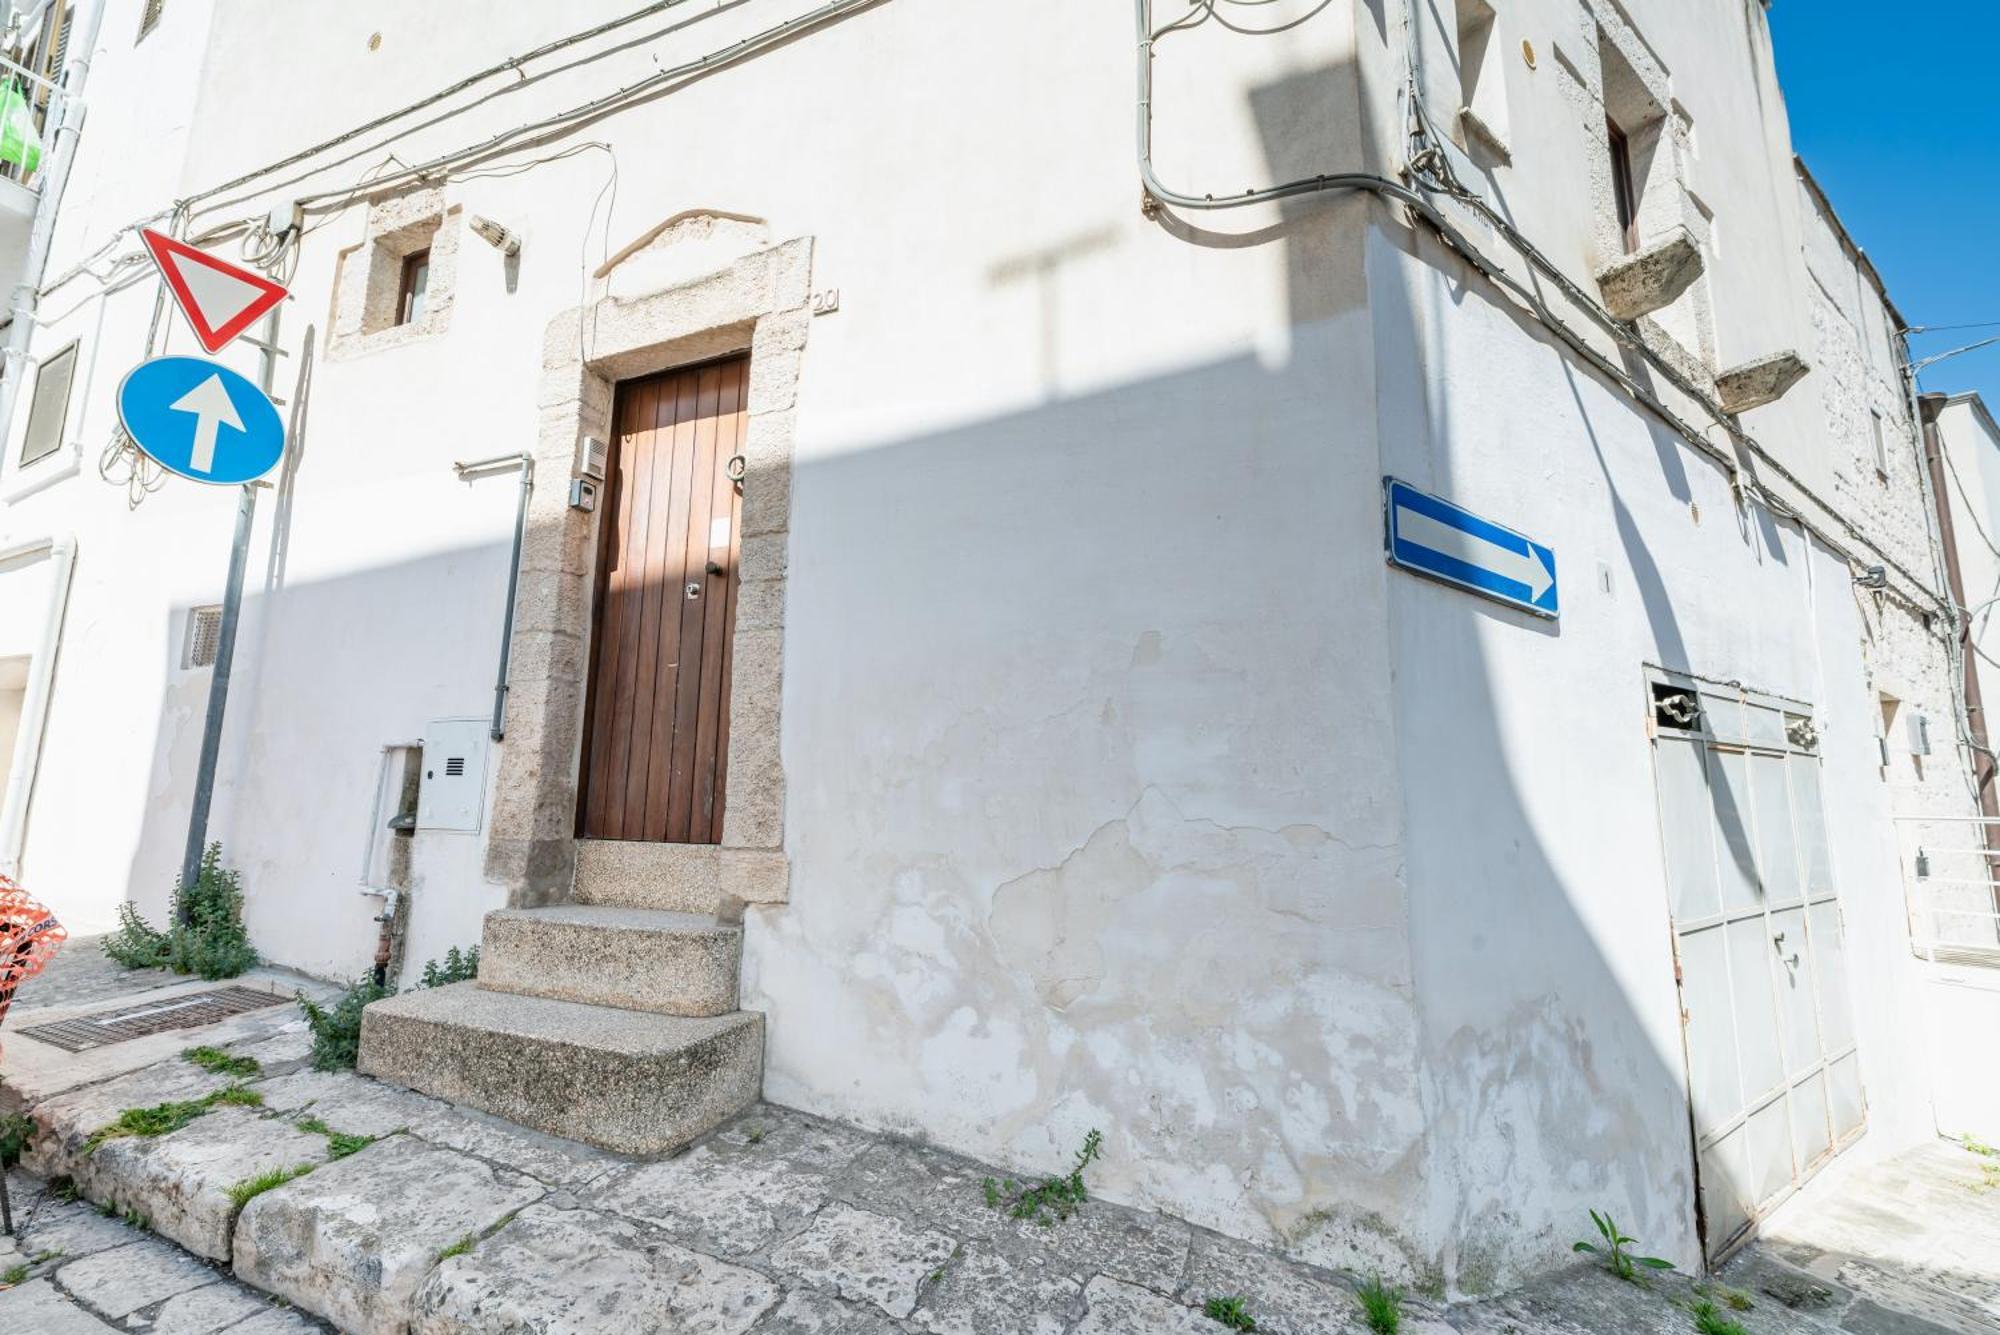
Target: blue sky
x=1894 y=109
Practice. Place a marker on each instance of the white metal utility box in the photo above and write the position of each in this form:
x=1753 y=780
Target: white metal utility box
x=453 y=790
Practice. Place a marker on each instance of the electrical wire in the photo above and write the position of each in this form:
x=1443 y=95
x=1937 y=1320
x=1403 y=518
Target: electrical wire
x=1541 y=264
x=510 y=65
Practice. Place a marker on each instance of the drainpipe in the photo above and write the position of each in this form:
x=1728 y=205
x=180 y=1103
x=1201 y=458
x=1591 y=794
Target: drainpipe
x=526 y=463
x=1983 y=765
x=28 y=291
x=35 y=703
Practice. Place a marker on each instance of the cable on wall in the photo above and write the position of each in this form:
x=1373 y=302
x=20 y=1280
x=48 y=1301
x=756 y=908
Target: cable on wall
x=1423 y=209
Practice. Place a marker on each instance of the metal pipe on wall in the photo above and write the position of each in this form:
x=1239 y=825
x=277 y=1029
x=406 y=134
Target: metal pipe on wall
x=35 y=702
x=526 y=462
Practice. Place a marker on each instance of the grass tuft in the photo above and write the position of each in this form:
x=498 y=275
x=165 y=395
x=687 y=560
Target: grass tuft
x=1709 y=1320
x=223 y=1063
x=1381 y=1306
x=459 y=1248
x=166 y=1118
x=339 y=1144
x=243 y=1193
x=18 y=1275
x=1230 y=1311
x=159 y=1120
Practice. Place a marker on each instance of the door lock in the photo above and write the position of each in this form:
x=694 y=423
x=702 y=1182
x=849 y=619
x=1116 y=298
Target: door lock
x=694 y=588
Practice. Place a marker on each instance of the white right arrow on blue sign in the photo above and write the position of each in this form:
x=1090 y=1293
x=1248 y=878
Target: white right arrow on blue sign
x=1433 y=537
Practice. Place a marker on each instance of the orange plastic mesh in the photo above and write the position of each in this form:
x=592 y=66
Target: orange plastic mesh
x=29 y=939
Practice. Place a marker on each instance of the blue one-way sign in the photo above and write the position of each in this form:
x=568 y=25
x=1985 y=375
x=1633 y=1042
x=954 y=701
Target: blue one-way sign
x=201 y=420
x=1436 y=538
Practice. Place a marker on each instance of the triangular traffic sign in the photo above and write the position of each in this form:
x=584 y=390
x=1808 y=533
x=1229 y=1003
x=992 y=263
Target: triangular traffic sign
x=219 y=299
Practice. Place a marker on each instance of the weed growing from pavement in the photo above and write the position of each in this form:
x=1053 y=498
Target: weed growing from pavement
x=1975 y=1145
x=458 y=966
x=459 y=1248
x=18 y=1275
x=336 y=1029
x=1381 y=1306
x=1230 y=1312
x=222 y=1063
x=1615 y=1250
x=133 y=1219
x=243 y=1193
x=339 y=1144
x=1709 y=1320
x=164 y=1118
x=207 y=935
x=1055 y=1199
x=1736 y=1299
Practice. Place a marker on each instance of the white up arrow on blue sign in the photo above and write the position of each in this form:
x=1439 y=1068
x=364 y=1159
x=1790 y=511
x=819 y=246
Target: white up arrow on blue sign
x=201 y=420
x=1436 y=538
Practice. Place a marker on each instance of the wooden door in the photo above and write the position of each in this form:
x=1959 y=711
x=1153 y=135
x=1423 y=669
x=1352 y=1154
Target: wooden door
x=656 y=738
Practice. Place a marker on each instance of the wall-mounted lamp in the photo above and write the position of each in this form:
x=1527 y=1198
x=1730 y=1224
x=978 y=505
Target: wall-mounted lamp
x=496 y=236
x=1923 y=865
x=1873 y=577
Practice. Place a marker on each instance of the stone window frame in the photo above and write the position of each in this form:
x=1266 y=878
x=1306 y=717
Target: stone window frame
x=760 y=303
x=368 y=277
x=1621 y=81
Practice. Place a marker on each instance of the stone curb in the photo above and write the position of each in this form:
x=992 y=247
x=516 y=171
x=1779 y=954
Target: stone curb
x=778 y=1223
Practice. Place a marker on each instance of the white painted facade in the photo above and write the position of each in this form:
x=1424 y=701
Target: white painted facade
x=1124 y=785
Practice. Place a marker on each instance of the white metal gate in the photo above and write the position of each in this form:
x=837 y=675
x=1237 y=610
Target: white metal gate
x=1773 y=1075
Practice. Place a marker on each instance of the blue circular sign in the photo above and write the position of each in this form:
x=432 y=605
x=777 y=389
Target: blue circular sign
x=201 y=420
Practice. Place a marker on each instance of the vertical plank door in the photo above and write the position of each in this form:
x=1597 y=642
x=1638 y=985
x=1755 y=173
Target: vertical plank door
x=656 y=732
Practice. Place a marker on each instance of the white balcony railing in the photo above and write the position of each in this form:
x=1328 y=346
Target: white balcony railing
x=1951 y=886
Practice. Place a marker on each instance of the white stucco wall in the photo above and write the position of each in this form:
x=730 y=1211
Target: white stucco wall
x=1126 y=787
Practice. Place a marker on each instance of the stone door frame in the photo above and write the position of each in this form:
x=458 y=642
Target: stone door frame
x=760 y=303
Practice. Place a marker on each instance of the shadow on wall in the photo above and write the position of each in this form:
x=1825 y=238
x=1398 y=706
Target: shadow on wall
x=1096 y=809
x=1096 y=819
x=328 y=673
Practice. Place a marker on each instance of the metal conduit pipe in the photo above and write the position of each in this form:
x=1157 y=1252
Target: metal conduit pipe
x=35 y=702
x=526 y=463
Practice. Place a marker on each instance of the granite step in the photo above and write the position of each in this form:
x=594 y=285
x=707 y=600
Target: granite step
x=624 y=1080
x=635 y=959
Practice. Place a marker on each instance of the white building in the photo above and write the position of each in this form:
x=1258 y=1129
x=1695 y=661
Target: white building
x=1079 y=757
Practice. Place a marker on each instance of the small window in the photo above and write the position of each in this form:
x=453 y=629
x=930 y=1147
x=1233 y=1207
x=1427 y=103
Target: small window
x=48 y=411
x=149 y=16
x=1881 y=442
x=1624 y=186
x=204 y=635
x=416 y=277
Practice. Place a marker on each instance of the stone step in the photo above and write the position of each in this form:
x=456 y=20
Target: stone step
x=678 y=878
x=623 y=1080
x=635 y=959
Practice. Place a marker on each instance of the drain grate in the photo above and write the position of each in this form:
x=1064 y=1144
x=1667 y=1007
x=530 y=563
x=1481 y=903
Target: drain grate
x=153 y=1017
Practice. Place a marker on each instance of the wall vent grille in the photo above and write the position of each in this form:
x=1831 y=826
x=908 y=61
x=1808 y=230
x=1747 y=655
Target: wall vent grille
x=454 y=767
x=204 y=636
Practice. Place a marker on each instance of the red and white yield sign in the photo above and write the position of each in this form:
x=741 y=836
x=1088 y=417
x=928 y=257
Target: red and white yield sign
x=219 y=299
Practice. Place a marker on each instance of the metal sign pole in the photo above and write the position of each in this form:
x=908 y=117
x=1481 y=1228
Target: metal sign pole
x=225 y=643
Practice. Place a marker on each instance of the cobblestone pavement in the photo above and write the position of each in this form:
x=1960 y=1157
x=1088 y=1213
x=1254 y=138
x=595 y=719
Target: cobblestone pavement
x=414 y=1215
x=80 y=973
